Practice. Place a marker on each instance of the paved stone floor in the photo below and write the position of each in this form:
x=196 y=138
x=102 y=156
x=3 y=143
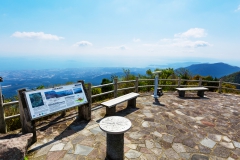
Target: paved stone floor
x=169 y=128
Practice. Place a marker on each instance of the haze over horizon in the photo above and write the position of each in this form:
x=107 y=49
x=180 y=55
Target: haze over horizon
x=118 y=33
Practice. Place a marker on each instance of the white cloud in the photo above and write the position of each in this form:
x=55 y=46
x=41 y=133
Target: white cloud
x=136 y=40
x=180 y=43
x=183 y=40
x=36 y=35
x=117 y=48
x=238 y=9
x=82 y=44
x=191 y=44
x=193 y=32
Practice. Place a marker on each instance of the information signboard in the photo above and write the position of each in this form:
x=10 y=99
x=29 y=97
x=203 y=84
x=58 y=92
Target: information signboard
x=47 y=101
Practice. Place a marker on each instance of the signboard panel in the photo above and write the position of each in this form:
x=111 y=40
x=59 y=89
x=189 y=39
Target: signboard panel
x=47 y=101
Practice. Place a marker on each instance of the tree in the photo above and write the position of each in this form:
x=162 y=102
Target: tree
x=166 y=73
x=127 y=74
x=106 y=88
x=183 y=73
x=149 y=73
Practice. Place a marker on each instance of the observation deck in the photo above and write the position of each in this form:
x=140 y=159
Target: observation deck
x=170 y=127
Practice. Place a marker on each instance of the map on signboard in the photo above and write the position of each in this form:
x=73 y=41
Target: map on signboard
x=36 y=99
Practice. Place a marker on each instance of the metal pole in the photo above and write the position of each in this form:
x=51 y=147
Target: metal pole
x=156 y=86
x=156 y=83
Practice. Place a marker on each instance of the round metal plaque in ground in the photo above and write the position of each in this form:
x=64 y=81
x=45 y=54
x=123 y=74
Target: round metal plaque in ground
x=115 y=126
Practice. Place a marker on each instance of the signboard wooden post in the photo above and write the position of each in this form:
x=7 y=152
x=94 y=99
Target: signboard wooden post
x=84 y=112
x=28 y=125
x=39 y=103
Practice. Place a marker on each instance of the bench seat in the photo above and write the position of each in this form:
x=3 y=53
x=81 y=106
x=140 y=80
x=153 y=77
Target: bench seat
x=111 y=104
x=200 y=93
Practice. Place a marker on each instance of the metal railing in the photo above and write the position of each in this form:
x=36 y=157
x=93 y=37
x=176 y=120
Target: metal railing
x=117 y=87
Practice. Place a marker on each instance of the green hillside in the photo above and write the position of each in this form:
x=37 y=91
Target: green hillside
x=215 y=70
x=234 y=77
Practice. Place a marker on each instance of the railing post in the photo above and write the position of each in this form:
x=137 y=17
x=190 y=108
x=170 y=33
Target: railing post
x=136 y=85
x=3 y=126
x=220 y=86
x=28 y=125
x=90 y=94
x=200 y=82
x=115 y=87
x=179 y=81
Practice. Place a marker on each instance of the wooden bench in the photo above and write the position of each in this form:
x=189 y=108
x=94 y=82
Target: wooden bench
x=111 y=104
x=200 y=93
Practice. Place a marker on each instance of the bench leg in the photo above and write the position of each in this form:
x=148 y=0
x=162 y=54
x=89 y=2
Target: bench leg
x=132 y=103
x=200 y=93
x=110 y=111
x=181 y=93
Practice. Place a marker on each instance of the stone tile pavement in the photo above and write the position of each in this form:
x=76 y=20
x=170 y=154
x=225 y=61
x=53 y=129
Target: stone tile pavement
x=168 y=128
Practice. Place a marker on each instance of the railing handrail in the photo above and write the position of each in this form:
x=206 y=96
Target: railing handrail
x=231 y=83
x=136 y=86
x=10 y=103
x=102 y=85
x=129 y=81
x=109 y=84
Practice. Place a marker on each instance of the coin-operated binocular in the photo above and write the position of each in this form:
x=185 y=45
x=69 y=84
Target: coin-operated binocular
x=157 y=92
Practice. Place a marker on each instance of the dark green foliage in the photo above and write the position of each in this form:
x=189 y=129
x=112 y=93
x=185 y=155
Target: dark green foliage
x=206 y=78
x=166 y=73
x=14 y=123
x=127 y=76
x=106 y=88
x=149 y=73
x=94 y=92
x=41 y=87
x=234 y=78
x=228 y=90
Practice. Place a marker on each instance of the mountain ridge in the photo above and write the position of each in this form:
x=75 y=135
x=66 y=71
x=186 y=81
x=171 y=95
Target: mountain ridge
x=217 y=70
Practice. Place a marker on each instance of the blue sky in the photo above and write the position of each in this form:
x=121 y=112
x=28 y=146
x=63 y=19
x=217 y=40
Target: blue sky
x=118 y=33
